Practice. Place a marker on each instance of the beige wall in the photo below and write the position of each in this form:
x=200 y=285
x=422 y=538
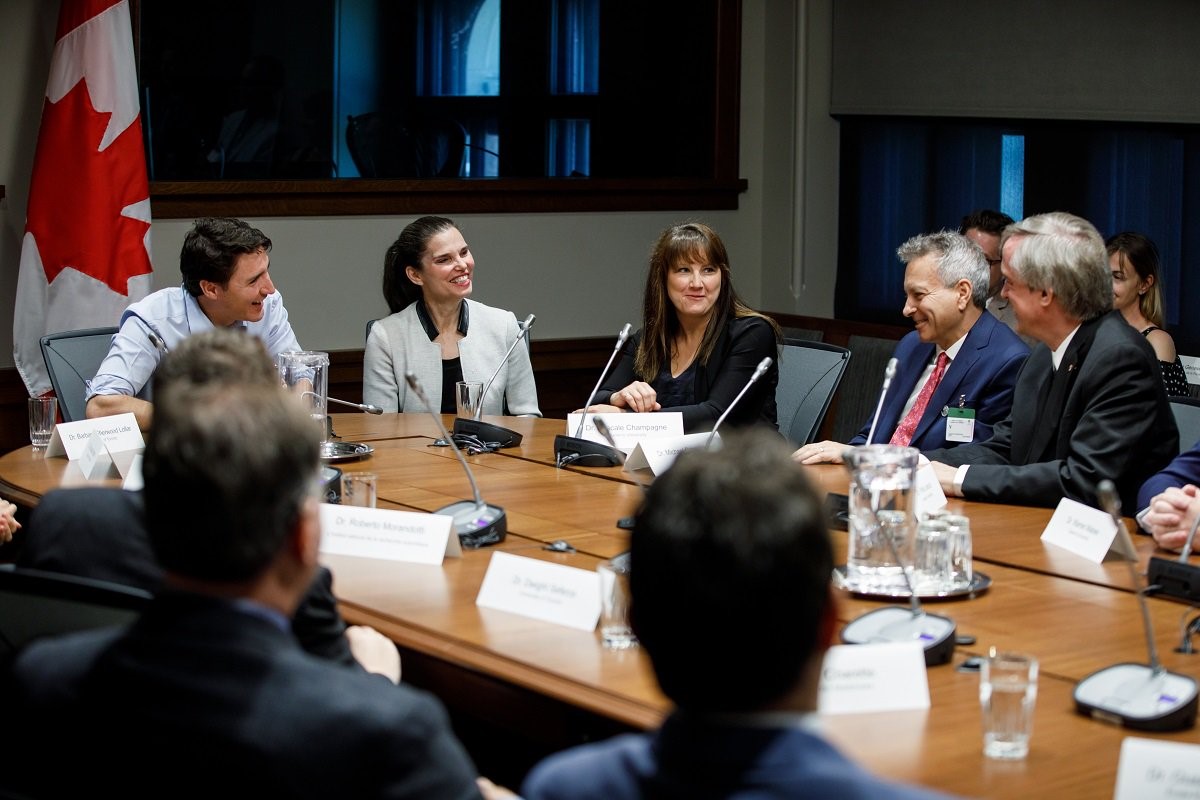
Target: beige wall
x=580 y=273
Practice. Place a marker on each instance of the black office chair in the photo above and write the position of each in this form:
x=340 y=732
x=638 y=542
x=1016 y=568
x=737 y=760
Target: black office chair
x=809 y=374
x=387 y=145
x=34 y=603
x=72 y=358
x=863 y=380
x=1187 y=418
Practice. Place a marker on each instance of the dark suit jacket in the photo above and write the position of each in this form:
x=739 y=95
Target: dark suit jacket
x=1114 y=423
x=739 y=349
x=1184 y=469
x=983 y=376
x=101 y=533
x=698 y=760
x=201 y=698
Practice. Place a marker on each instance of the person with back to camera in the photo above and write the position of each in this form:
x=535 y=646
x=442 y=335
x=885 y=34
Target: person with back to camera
x=730 y=541
x=436 y=331
x=699 y=343
x=1137 y=294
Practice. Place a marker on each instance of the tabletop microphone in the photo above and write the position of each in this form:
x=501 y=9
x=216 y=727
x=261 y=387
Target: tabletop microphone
x=582 y=452
x=1176 y=577
x=477 y=523
x=1139 y=696
x=894 y=624
x=485 y=431
x=888 y=373
x=759 y=371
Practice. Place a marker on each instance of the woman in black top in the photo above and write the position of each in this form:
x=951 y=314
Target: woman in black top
x=699 y=343
x=1137 y=294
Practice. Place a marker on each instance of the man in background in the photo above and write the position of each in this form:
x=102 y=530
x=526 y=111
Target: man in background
x=226 y=283
x=731 y=541
x=956 y=371
x=1089 y=404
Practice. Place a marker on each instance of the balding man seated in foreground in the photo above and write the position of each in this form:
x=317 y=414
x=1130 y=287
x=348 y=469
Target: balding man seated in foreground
x=731 y=541
x=208 y=694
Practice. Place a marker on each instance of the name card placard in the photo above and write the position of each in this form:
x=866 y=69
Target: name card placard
x=1191 y=368
x=657 y=455
x=1153 y=769
x=541 y=590
x=868 y=678
x=628 y=429
x=387 y=535
x=1084 y=531
x=930 y=496
x=95 y=462
x=119 y=432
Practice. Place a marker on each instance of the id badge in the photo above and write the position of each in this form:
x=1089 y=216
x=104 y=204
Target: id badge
x=960 y=424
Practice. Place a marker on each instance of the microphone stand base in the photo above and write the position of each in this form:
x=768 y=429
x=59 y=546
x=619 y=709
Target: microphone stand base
x=477 y=524
x=486 y=432
x=1174 y=579
x=573 y=452
x=899 y=624
x=1133 y=696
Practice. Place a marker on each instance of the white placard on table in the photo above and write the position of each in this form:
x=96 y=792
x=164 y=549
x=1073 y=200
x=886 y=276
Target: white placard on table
x=1084 y=531
x=868 y=678
x=120 y=433
x=542 y=590
x=387 y=534
x=1191 y=368
x=930 y=496
x=628 y=429
x=657 y=455
x=1153 y=769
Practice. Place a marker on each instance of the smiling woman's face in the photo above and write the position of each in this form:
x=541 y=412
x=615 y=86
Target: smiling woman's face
x=446 y=270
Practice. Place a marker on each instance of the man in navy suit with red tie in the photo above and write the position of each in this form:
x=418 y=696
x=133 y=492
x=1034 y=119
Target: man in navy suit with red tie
x=956 y=372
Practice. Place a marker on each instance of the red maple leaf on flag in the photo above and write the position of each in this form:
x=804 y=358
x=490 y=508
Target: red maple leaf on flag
x=78 y=192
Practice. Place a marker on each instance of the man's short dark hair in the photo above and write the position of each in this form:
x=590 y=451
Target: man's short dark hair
x=212 y=247
x=227 y=468
x=221 y=355
x=986 y=220
x=730 y=574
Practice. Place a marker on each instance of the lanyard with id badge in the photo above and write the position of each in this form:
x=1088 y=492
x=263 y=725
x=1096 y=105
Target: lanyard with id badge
x=960 y=421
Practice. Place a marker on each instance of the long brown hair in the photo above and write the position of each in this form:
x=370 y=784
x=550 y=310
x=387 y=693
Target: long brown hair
x=696 y=243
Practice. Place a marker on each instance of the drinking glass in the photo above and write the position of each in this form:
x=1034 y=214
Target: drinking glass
x=1007 y=696
x=615 y=631
x=467 y=396
x=43 y=413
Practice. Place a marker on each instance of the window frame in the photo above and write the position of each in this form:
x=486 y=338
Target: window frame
x=350 y=196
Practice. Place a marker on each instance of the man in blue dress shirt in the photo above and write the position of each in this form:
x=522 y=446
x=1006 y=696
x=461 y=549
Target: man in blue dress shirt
x=226 y=283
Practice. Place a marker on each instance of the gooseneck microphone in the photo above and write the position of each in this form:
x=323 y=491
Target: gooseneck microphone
x=1136 y=696
x=893 y=624
x=476 y=522
x=367 y=407
x=759 y=371
x=575 y=449
x=888 y=373
x=485 y=431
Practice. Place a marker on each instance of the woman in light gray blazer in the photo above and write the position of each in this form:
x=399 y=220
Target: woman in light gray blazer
x=438 y=333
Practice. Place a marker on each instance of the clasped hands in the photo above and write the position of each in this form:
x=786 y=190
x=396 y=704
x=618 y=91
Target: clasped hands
x=637 y=397
x=1171 y=515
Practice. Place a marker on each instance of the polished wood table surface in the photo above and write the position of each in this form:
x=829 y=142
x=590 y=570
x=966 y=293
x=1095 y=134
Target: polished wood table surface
x=1075 y=616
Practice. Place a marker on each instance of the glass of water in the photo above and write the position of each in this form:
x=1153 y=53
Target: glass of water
x=615 y=631
x=1007 y=696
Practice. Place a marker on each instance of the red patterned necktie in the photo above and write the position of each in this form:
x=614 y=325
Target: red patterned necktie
x=904 y=432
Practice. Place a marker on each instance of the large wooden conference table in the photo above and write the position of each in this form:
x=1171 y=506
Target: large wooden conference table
x=1076 y=617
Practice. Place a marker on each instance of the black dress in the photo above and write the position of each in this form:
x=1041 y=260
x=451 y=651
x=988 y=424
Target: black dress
x=1174 y=378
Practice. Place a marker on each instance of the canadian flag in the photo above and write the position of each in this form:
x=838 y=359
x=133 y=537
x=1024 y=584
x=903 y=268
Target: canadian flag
x=86 y=251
